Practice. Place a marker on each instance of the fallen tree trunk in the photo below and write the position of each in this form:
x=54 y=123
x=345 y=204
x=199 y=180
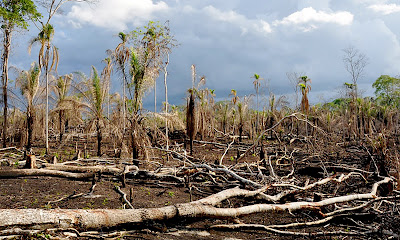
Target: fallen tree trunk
x=103 y=218
x=102 y=169
x=43 y=172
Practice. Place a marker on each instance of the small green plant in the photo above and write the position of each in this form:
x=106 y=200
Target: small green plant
x=43 y=152
x=89 y=205
x=146 y=190
x=232 y=158
x=16 y=163
x=105 y=201
x=171 y=194
x=47 y=206
x=42 y=235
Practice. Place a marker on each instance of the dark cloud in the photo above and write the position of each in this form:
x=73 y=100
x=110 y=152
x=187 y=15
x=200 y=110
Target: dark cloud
x=229 y=41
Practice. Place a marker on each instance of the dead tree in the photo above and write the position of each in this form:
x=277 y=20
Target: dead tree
x=191 y=120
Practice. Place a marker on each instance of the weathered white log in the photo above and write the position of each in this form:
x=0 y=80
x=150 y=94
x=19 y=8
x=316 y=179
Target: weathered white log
x=11 y=148
x=103 y=169
x=42 y=172
x=100 y=218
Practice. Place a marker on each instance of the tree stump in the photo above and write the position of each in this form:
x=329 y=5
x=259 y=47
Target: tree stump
x=53 y=160
x=30 y=161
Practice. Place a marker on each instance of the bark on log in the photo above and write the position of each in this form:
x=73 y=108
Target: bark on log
x=43 y=172
x=101 y=218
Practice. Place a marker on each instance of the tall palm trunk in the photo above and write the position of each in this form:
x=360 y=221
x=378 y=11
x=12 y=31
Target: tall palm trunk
x=257 y=111
x=5 y=57
x=99 y=137
x=61 y=116
x=123 y=100
x=47 y=97
x=29 y=120
x=166 y=101
x=137 y=92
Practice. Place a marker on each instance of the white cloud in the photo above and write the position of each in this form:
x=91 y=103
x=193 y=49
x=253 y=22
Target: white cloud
x=309 y=16
x=239 y=20
x=385 y=8
x=116 y=14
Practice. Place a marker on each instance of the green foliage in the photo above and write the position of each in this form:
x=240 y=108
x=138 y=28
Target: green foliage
x=151 y=44
x=93 y=90
x=387 y=90
x=137 y=71
x=47 y=51
x=349 y=85
x=97 y=91
x=16 y=13
x=337 y=104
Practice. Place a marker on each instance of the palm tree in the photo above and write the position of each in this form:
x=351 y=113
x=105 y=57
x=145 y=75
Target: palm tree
x=65 y=104
x=94 y=92
x=47 y=51
x=106 y=74
x=121 y=57
x=257 y=85
x=166 y=101
x=138 y=69
x=222 y=108
x=28 y=82
x=305 y=89
x=235 y=99
x=242 y=111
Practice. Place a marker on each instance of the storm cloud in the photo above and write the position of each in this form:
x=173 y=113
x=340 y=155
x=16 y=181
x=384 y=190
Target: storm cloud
x=229 y=41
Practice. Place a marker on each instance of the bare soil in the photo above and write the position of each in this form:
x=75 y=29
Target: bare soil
x=43 y=192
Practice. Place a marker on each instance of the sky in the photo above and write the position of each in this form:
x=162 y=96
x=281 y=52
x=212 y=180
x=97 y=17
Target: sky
x=231 y=40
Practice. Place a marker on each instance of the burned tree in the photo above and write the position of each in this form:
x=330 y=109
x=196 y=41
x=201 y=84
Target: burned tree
x=191 y=129
x=28 y=82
